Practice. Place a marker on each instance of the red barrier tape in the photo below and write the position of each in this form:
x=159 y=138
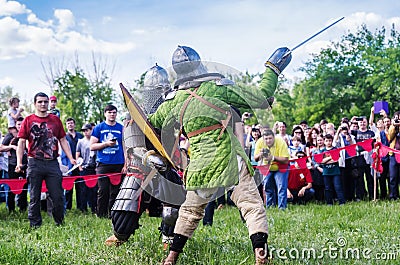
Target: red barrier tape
x=17 y=185
x=380 y=149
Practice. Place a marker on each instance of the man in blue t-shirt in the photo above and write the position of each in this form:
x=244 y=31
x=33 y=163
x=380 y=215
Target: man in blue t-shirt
x=106 y=139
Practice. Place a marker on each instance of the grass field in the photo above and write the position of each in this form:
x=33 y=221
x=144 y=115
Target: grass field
x=356 y=233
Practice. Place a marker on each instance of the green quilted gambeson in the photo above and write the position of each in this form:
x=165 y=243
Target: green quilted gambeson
x=213 y=161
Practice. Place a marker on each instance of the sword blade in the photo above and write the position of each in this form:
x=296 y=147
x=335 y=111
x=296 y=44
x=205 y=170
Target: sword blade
x=316 y=34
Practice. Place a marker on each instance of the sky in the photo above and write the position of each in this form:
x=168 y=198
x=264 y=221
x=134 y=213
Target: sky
x=129 y=37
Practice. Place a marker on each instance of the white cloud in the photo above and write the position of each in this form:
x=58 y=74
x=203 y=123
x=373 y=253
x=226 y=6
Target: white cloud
x=8 y=8
x=44 y=37
x=65 y=18
x=33 y=19
x=373 y=21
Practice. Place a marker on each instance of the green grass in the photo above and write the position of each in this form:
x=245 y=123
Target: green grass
x=362 y=227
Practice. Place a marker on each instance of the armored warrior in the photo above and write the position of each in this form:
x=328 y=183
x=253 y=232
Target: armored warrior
x=203 y=105
x=140 y=191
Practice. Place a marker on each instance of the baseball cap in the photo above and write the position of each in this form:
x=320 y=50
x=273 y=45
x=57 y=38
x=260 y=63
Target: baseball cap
x=86 y=126
x=53 y=98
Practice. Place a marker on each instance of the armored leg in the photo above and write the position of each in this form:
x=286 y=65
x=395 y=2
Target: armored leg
x=126 y=211
x=169 y=217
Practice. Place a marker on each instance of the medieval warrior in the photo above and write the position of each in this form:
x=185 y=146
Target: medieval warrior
x=203 y=105
x=140 y=190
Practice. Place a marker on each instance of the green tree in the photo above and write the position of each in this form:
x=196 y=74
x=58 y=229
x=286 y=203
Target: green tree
x=81 y=94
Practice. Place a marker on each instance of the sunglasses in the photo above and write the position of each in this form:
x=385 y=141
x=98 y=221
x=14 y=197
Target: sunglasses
x=297 y=132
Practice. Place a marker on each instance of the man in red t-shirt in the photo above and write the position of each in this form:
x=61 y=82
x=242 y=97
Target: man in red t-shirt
x=300 y=188
x=43 y=131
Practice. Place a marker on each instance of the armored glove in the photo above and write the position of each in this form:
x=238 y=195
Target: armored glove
x=151 y=158
x=279 y=60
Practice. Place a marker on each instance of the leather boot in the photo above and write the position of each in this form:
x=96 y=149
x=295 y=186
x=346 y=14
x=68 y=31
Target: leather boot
x=172 y=258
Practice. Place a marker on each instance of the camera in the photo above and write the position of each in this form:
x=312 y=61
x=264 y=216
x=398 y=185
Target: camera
x=359 y=118
x=265 y=152
x=114 y=139
x=396 y=121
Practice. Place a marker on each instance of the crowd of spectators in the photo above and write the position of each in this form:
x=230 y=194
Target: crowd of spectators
x=351 y=178
x=87 y=150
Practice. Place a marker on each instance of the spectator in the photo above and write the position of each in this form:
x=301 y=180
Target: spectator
x=344 y=138
x=281 y=127
x=256 y=135
x=316 y=170
x=88 y=167
x=14 y=112
x=381 y=130
x=300 y=189
x=273 y=151
x=365 y=167
x=322 y=126
x=379 y=126
x=72 y=137
x=330 y=128
x=384 y=176
x=394 y=172
x=298 y=131
x=9 y=144
x=304 y=125
x=311 y=142
x=3 y=161
x=106 y=139
x=295 y=147
x=354 y=126
x=53 y=109
x=43 y=132
x=317 y=126
x=331 y=173
x=211 y=205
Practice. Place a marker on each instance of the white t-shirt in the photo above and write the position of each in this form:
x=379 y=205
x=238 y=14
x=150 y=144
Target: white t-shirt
x=11 y=121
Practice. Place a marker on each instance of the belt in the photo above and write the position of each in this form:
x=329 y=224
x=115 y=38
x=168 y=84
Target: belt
x=205 y=129
x=42 y=159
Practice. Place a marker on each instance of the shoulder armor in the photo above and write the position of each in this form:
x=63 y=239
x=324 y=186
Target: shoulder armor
x=224 y=82
x=170 y=95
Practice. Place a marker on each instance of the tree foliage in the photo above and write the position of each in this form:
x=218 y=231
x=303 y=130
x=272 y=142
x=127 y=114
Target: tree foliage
x=345 y=79
x=81 y=95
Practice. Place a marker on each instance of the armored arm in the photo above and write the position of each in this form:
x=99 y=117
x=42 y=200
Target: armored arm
x=279 y=60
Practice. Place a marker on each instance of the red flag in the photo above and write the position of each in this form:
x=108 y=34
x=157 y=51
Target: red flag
x=16 y=185
x=351 y=150
x=68 y=182
x=366 y=144
x=302 y=162
x=264 y=170
x=90 y=180
x=115 y=179
x=335 y=154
